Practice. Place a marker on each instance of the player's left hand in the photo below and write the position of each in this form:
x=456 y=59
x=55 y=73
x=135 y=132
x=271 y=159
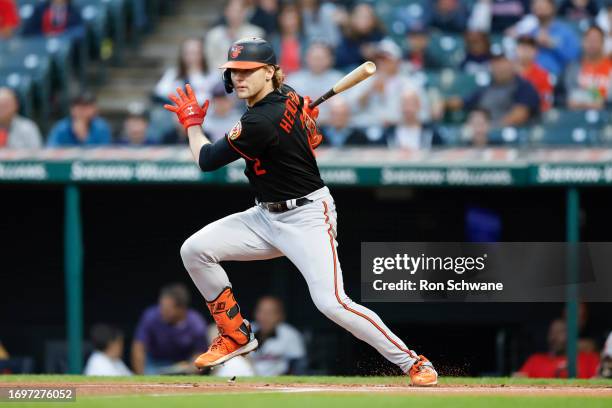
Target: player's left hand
x=187 y=108
x=310 y=115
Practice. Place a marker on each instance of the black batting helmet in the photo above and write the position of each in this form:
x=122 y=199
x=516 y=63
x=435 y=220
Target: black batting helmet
x=247 y=53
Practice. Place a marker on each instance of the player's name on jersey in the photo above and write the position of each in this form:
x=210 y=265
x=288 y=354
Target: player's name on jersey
x=425 y=285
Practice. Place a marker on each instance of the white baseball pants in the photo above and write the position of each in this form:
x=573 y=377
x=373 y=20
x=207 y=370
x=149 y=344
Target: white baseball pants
x=307 y=236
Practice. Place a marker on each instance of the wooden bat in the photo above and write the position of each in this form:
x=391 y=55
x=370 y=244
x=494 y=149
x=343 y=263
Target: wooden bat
x=362 y=72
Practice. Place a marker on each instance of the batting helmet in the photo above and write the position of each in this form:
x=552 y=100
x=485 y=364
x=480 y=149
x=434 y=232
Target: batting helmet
x=247 y=53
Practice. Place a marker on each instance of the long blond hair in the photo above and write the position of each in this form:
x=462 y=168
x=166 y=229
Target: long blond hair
x=278 y=78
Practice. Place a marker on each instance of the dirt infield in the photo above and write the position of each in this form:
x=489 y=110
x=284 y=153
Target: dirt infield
x=237 y=387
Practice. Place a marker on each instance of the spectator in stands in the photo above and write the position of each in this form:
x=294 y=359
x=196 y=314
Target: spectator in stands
x=477 y=53
x=55 y=17
x=496 y=16
x=477 y=127
x=221 y=37
x=511 y=100
x=9 y=18
x=588 y=82
x=317 y=77
x=449 y=16
x=321 y=21
x=288 y=42
x=605 y=365
x=281 y=347
x=16 y=132
x=338 y=131
x=265 y=15
x=106 y=358
x=191 y=67
x=135 y=130
x=528 y=68
x=360 y=37
x=553 y=364
x=176 y=135
x=557 y=42
x=221 y=116
x=578 y=10
x=410 y=132
x=604 y=21
x=83 y=127
x=168 y=334
x=377 y=102
x=418 y=56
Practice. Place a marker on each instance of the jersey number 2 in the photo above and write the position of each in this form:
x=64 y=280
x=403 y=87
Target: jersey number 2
x=257 y=168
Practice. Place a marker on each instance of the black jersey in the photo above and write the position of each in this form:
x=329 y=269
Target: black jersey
x=272 y=139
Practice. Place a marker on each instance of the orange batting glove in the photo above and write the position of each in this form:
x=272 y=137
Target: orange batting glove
x=187 y=108
x=310 y=115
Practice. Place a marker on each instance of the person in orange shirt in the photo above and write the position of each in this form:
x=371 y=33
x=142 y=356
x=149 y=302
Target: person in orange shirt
x=553 y=364
x=531 y=71
x=589 y=83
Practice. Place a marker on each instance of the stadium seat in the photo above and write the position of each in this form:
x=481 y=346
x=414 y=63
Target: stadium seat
x=508 y=136
x=448 y=48
x=453 y=82
x=563 y=135
x=572 y=118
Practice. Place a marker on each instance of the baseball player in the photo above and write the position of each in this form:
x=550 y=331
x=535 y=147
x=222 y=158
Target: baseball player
x=294 y=215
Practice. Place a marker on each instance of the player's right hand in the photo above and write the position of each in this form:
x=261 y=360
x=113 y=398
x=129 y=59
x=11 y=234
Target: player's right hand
x=186 y=107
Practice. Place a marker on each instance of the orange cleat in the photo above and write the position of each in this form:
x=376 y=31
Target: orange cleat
x=224 y=348
x=422 y=373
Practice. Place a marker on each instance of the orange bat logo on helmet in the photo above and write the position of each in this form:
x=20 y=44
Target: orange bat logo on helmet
x=235 y=51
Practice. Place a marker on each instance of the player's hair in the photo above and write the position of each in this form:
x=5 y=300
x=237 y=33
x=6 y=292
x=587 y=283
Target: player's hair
x=278 y=78
x=177 y=292
x=103 y=334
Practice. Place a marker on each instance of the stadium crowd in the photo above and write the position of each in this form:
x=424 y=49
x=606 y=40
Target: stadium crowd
x=450 y=72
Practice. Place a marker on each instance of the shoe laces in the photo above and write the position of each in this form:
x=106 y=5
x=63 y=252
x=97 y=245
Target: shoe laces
x=218 y=343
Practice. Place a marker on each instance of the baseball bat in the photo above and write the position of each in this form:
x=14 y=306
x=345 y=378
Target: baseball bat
x=362 y=72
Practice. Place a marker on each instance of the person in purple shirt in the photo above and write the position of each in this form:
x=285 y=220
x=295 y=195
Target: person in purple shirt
x=83 y=127
x=168 y=335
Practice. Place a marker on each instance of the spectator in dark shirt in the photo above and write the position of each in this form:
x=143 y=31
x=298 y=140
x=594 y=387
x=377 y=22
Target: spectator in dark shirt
x=418 y=55
x=448 y=15
x=511 y=100
x=83 y=127
x=55 y=17
x=578 y=10
x=9 y=18
x=478 y=52
x=265 y=15
x=530 y=70
x=339 y=132
x=168 y=334
x=360 y=37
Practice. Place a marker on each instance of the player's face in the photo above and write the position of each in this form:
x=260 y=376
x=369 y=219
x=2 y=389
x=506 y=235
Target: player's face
x=249 y=82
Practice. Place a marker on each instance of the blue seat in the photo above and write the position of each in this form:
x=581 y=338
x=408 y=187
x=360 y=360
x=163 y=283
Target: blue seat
x=563 y=135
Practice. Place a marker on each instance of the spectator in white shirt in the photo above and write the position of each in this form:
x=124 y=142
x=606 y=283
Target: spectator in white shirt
x=16 y=132
x=281 y=347
x=106 y=359
x=191 y=68
x=377 y=102
x=318 y=77
x=221 y=37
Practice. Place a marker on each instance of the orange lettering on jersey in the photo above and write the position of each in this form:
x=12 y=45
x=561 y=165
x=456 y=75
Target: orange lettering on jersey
x=257 y=168
x=291 y=108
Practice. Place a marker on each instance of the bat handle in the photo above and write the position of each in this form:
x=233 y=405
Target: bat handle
x=322 y=99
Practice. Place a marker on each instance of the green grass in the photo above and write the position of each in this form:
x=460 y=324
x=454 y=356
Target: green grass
x=272 y=399
x=507 y=381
